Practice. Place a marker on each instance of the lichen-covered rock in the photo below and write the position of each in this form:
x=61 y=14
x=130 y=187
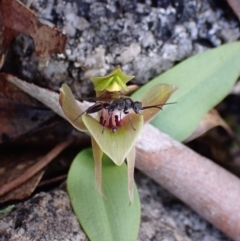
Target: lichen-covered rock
x=46 y=216
x=144 y=37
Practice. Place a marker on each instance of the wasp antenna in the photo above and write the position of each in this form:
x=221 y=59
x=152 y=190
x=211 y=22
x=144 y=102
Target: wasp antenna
x=151 y=106
x=157 y=106
x=169 y=103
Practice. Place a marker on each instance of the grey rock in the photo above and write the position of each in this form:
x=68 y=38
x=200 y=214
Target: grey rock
x=145 y=38
x=46 y=216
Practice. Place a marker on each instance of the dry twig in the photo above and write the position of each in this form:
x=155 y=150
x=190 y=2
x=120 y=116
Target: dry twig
x=35 y=168
x=235 y=5
x=206 y=187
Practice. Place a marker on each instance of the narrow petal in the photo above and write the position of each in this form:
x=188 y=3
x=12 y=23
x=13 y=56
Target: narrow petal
x=97 y=155
x=130 y=166
x=71 y=108
x=116 y=145
x=157 y=95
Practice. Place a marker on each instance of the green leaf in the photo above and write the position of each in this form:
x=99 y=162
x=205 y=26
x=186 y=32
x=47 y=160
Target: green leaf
x=7 y=209
x=203 y=81
x=110 y=218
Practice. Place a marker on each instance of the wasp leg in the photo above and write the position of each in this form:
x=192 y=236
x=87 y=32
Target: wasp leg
x=104 y=124
x=130 y=119
x=117 y=123
x=125 y=111
x=117 y=120
x=101 y=120
x=80 y=115
x=110 y=113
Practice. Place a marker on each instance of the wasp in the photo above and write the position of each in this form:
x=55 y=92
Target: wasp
x=112 y=102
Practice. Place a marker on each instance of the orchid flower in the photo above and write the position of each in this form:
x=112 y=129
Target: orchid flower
x=113 y=133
